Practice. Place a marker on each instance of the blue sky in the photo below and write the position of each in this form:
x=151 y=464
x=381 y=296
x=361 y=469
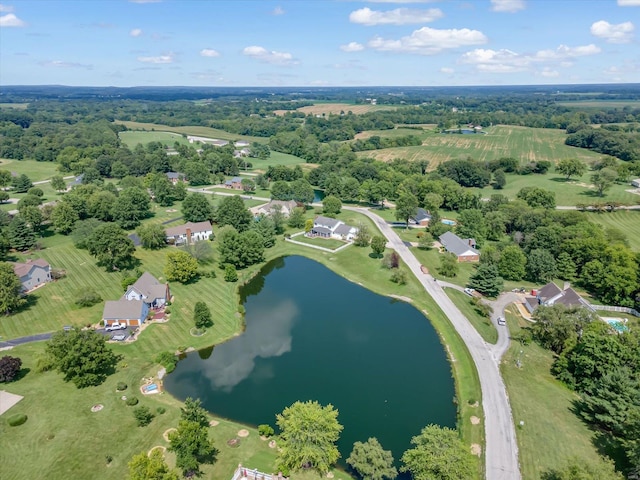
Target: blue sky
x=319 y=43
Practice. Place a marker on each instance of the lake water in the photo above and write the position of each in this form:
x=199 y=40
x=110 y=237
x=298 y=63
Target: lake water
x=312 y=335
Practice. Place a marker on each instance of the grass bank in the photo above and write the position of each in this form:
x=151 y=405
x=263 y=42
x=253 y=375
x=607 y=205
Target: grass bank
x=481 y=323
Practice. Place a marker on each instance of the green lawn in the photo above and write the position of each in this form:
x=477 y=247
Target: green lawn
x=276 y=158
x=551 y=433
x=133 y=138
x=330 y=243
x=36 y=171
x=523 y=143
x=482 y=324
x=572 y=192
x=627 y=221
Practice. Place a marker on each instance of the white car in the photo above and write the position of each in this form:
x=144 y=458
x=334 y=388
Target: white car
x=469 y=291
x=501 y=321
x=115 y=326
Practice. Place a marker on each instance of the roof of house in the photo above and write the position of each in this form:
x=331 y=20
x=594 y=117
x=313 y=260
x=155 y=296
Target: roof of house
x=326 y=222
x=236 y=180
x=421 y=215
x=322 y=230
x=570 y=298
x=149 y=286
x=343 y=229
x=456 y=245
x=173 y=175
x=123 y=309
x=532 y=302
x=549 y=291
x=22 y=269
x=195 y=227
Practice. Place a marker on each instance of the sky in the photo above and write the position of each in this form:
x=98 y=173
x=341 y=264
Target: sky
x=319 y=43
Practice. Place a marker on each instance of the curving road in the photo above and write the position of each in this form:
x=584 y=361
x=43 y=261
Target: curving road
x=501 y=449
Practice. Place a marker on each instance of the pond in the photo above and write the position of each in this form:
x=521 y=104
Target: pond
x=312 y=335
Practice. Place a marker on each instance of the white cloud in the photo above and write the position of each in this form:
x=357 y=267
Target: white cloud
x=563 y=52
x=429 y=41
x=136 y=32
x=549 y=73
x=263 y=55
x=620 y=33
x=509 y=6
x=399 y=16
x=160 y=59
x=61 y=64
x=209 y=52
x=352 y=47
x=6 y=8
x=629 y=3
x=447 y=70
x=10 y=20
x=278 y=11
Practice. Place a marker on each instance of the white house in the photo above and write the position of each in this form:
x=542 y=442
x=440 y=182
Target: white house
x=189 y=232
x=285 y=206
x=326 y=227
x=210 y=141
x=148 y=289
x=33 y=273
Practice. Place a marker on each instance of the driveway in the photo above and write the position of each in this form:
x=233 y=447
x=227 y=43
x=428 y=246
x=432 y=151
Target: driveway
x=501 y=449
x=22 y=340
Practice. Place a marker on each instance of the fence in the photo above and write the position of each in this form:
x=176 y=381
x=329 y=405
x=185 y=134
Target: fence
x=608 y=308
x=243 y=473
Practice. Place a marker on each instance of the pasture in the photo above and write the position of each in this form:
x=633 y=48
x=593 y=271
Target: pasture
x=338 y=108
x=17 y=106
x=36 y=171
x=523 y=143
x=133 y=138
x=627 y=221
x=601 y=104
x=191 y=130
x=395 y=132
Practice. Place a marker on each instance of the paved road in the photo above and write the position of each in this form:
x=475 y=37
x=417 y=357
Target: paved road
x=22 y=340
x=501 y=450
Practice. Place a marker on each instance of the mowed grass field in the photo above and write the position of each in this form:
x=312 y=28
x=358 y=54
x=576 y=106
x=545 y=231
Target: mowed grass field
x=191 y=130
x=36 y=171
x=627 y=221
x=552 y=433
x=601 y=103
x=133 y=138
x=523 y=143
x=337 y=108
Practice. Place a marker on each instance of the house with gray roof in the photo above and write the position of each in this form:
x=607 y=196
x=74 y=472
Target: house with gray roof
x=462 y=248
x=132 y=313
x=32 y=273
x=267 y=209
x=551 y=294
x=325 y=227
x=421 y=218
x=175 y=177
x=148 y=289
x=235 y=183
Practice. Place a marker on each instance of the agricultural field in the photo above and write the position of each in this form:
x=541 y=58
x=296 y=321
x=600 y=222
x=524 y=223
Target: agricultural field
x=395 y=132
x=337 y=108
x=17 y=106
x=191 y=130
x=133 y=138
x=572 y=192
x=600 y=104
x=523 y=143
x=627 y=221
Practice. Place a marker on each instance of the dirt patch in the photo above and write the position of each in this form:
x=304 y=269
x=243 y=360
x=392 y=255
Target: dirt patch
x=272 y=444
x=157 y=447
x=55 y=297
x=453 y=359
x=400 y=297
x=243 y=433
x=475 y=420
x=166 y=433
x=97 y=408
x=214 y=423
x=476 y=449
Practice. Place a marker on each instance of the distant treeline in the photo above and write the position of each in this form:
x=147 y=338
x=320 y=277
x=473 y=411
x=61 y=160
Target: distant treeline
x=620 y=144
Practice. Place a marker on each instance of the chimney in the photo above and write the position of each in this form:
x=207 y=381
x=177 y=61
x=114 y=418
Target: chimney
x=188 y=235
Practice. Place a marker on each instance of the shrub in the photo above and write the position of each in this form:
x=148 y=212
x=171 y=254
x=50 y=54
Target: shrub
x=265 y=430
x=108 y=459
x=142 y=415
x=399 y=277
x=44 y=363
x=391 y=260
x=17 y=419
x=161 y=410
x=87 y=297
x=9 y=368
x=230 y=274
x=131 y=401
x=121 y=386
x=168 y=360
x=167 y=310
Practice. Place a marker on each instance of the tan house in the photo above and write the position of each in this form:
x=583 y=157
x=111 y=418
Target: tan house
x=189 y=232
x=32 y=273
x=285 y=206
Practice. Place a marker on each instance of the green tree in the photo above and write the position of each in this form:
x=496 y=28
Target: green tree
x=111 y=247
x=192 y=446
x=449 y=266
x=296 y=218
x=4 y=196
x=239 y=249
x=131 y=206
x=101 y=205
x=58 y=183
x=202 y=315
x=21 y=183
x=162 y=189
x=378 y=244
x=302 y=191
x=197 y=208
x=308 y=225
x=557 y=326
x=34 y=218
x=82 y=356
x=150 y=466
x=571 y=167
x=10 y=289
x=232 y=211
x=406 y=207
x=425 y=242
x=487 y=280
x=603 y=180
x=64 y=217
x=499 y=179
x=248 y=185
x=193 y=411
x=471 y=224
x=5 y=178
x=566 y=267
x=281 y=190
x=537 y=197
x=29 y=201
x=20 y=235
x=152 y=236
x=266 y=229
x=541 y=266
x=180 y=267
x=83 y=230
x=142 y=415
x=230 y=274
x=496 y=225
x=512 y=263
x=371 y=461
x=363 y=237
x=331 y=206
x=309 y=432
x=438 y=454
